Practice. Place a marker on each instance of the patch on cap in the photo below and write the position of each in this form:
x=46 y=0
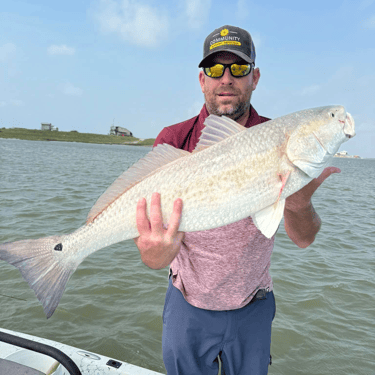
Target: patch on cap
x=224 y=40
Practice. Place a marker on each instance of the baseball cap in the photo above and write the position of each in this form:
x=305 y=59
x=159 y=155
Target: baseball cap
x=229 y=38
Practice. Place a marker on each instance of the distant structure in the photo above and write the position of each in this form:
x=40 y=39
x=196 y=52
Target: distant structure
x=123 y=131
x=344 y=154
x=47 y=126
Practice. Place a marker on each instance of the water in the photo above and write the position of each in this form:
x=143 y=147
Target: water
x=325 y=320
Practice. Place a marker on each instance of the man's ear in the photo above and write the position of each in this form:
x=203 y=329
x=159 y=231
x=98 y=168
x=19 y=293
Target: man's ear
x=256 y=77
x=202 y=78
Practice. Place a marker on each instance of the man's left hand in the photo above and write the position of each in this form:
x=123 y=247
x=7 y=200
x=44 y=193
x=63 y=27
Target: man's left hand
x=302 y=198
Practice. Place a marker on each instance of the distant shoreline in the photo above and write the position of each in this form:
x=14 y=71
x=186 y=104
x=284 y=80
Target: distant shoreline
x=72 y=136
x=348 y=157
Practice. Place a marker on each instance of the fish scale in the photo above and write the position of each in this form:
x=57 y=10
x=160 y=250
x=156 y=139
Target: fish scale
x=233 y=173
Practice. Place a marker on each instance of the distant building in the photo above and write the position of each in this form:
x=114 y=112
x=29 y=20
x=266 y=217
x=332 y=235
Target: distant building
x=47 y=126
x=344 y=154
x=123 y=131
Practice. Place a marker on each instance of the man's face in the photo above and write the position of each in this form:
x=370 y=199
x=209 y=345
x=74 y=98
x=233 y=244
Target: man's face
x=228 y=95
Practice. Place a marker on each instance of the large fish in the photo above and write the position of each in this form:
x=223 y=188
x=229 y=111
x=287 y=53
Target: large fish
x=233 y=173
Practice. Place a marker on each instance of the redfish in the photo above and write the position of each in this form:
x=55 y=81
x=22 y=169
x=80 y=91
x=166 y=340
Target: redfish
x=233 y=173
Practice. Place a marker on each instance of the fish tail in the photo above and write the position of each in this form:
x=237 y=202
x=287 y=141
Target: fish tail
x=42 y=265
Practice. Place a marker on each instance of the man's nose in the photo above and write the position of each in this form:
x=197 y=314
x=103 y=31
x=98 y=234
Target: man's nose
x=227 y=78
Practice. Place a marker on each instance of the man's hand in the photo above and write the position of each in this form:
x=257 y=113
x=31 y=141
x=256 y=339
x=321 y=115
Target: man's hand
x=158 y=246
x=302 y=198
x=301 y=221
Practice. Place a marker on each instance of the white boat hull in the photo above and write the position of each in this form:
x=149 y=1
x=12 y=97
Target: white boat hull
x=89 y=363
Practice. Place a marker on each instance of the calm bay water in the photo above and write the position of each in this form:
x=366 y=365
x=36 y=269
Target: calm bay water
x=325 y=320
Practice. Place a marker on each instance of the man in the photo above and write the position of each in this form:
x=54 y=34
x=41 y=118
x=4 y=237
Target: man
x=220 y=300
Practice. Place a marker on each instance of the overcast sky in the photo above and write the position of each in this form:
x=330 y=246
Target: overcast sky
x=85 y=65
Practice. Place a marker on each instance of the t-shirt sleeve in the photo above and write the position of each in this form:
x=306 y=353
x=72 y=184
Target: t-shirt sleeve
x=176 y=135
x=163 y=138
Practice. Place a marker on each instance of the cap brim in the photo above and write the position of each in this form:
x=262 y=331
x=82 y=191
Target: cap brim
x=237 y=53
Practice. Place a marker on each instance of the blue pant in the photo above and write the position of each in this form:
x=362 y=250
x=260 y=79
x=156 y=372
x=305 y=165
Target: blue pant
x=193 y=337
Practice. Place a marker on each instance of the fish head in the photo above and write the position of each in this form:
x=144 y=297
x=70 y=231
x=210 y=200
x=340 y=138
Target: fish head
x=317 y=136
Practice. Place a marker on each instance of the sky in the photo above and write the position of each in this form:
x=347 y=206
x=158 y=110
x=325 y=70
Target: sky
x=86 y=65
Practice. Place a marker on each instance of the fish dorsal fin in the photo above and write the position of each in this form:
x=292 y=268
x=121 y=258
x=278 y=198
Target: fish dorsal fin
x=161 y=155
x=216 y=130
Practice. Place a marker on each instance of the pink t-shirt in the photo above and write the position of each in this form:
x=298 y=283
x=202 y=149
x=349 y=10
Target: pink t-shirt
x=220 y=268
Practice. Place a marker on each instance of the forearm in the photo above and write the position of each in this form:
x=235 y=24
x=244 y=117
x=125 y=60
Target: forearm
x=301 y=221
x=301 y=225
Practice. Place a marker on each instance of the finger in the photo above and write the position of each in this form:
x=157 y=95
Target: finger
x=174 y=221
x=156 y=218
x=326 y=173
x=143 y=225
x=313 y=185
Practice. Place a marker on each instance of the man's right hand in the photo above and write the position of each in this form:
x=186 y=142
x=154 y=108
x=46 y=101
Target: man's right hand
x=158 y=246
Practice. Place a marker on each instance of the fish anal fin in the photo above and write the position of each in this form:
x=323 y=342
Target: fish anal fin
x=268 y=219
x=160 y=156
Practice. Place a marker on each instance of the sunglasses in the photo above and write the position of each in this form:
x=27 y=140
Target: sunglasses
x=236 y=70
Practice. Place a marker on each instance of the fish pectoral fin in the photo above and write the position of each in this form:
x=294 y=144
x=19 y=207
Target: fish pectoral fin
x=284 y=179
x=268 y=219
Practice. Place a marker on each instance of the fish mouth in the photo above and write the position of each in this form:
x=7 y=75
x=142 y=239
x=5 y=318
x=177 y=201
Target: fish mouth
x=349 y=126
x=346 y=135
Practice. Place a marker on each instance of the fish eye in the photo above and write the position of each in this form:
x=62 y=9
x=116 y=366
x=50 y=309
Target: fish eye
x=332 y=114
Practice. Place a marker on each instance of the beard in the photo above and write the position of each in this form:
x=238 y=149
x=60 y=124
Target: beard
x=231 y=110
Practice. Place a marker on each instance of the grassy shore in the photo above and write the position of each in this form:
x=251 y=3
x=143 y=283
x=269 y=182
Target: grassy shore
x=72 y=136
